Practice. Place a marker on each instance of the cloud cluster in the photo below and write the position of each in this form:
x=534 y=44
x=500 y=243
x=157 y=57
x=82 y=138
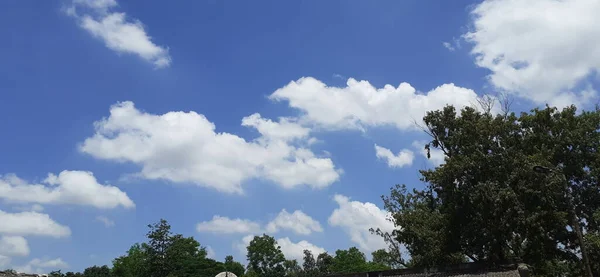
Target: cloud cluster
x=225 y=225
x=15 y=226
x=297 y=222
x=544 y=51
x=119 y=33
x=360 y=105
x=105 y=220
x=42 y=266
x=69 y=187
x=31 y=224
x=13 y=246
x=403 y=158
x=356 y=218
x=184 y=147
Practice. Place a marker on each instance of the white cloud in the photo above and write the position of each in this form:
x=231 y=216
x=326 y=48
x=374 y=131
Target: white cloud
x=42 y=266
x=37 y=208
x=356 y=218
x=184 y=147
x=295 y=250
x=436 y=156
x=542 y=50
x=291 y=250
x=360 y=104
x=25 y=208
x=4 y=261
x=242 y=246
x=69 y=187
x=118 y=33
x=210 y=253
x=284 y=130
x=225 y=225
x=105 y=220
x=31 y=223
x=402 y=159
x=448 y=46
x=298 y=221
x=13 y=246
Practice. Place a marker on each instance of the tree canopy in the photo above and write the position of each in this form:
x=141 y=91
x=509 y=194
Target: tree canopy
x=487 y=204
x=166 y=254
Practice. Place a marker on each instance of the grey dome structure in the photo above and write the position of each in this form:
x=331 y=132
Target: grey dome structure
x=226 y=274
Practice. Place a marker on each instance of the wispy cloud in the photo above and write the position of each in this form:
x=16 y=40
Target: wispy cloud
x=119 y=33
x=105 y=220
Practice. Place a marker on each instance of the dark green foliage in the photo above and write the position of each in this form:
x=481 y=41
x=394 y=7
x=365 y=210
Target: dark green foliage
x=56 y=273
x=292 y=268
x=168 y=254
x=265 y=257
x=97 y=271
x=159 y=240
x=383 y=258
x=133 y=264
x=353 y=260
x=309 y=264
x=324 y=264
x=487 y=204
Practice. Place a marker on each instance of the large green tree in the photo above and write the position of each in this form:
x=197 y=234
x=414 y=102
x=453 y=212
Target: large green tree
x=352 y=260
x=383 y=258
x=265 y=257
x=97 y=271
x=166 y=254
x=292 y=268
x=159 y=240
x=133 y=264
x=324 y=263
x=309 y=264
x=486 y=202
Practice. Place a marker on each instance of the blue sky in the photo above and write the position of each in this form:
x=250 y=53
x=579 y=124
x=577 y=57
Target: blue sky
x=234 y=118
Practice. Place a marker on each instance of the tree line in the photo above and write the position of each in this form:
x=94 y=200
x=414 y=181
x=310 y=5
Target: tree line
x=172 y=255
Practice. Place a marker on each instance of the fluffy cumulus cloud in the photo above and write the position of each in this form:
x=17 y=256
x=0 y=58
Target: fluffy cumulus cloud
x=105 y=220
x=225 y=225
x=298 y=222
x=68 y=187
x=356 y=218
x=31 y=223
x=403 y=158
x=119 y=33
x=13 y=246
x=544 y=50
x=4 y=261
x=42 y=266
x=210 y=253
x=295 y=250
x=184 y=147
x=360 y=104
